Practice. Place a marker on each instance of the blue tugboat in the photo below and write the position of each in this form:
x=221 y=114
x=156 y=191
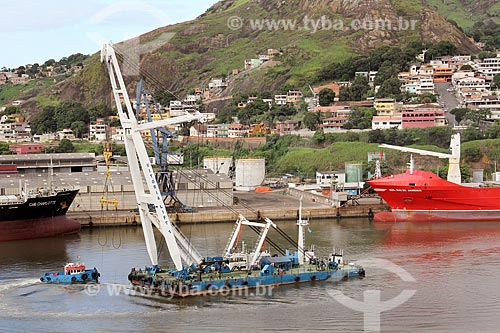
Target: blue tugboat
x=74 y=273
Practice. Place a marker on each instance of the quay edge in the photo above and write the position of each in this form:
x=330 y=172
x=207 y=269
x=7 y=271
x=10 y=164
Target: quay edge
x=222 y=215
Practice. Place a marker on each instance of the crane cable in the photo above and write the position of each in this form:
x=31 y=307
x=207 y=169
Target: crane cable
x=160 y=85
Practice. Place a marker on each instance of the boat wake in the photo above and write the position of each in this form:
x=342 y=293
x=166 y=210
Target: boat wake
x=17 y=283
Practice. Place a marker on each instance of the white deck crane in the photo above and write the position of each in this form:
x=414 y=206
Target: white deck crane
x=454 y=175
x=179 y=247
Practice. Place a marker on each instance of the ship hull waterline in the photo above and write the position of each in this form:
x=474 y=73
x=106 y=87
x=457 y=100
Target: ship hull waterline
x=37 y=228
x=436 y=216
x=238 y=286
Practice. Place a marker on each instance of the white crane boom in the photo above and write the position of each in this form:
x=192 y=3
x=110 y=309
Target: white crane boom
x=139 y=163
x=416 y=151
x=454 y=175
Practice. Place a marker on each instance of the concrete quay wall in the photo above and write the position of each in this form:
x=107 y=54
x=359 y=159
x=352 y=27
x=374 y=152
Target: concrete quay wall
x=221 y=215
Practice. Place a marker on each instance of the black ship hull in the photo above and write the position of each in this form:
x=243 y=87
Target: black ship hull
x=37 y=217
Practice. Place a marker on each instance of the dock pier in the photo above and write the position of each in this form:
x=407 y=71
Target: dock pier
x=111 y=218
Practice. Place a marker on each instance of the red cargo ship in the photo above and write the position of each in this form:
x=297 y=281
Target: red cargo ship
x=423 y=196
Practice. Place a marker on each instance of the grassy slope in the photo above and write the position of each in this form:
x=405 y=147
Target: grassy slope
x=335 y=156
x=454 y=10
x=9 y=93
x=466 y=13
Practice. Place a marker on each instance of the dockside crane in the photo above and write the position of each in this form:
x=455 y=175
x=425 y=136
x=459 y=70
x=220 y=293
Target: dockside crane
x=151 y=206
x=159 y=138
x=183 y=254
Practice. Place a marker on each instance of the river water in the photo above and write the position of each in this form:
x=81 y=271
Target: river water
x=446 y=276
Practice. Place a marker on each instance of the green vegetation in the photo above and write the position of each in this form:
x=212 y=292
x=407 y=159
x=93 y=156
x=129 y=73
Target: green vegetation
x=455 y=11
x=488 y=32
x=57 y=116
x=360 y=118
x=311 y=120
x=333 y=157
x=326 y=97
x=9 y=93
x=358 y=91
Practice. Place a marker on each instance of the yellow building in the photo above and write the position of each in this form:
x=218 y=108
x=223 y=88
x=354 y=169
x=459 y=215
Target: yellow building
x=385 y=106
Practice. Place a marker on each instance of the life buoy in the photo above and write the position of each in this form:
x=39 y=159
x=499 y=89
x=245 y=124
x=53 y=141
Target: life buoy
x=245 y=283
x=73 y=279
x=227 y=284
x=313 y=277
x=297 y=279
x=94 y=275
x=48 y=279
x=208 y=286
x=41 y=279
x=84 y=277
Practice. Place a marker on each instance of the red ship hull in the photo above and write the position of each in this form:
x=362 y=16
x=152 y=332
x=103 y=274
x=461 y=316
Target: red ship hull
x=37 y=228
x=424 y=197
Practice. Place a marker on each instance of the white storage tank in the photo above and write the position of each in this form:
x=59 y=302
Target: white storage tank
x=217 y=164
x=477 y=175
x=250 y=173
x=496 y=177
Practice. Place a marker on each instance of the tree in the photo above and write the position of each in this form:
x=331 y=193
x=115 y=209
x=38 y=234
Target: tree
x=311 y=120
x=493 y=131
x=360 y=117
x=344 y=94
x=101 y=111
x=376 y=136
x=427 y=98
x=164 y=97
x=477 y=115
x=49 y=62
x=466 y=68
x=440 y=49
x=78 y=127
x=115 y=123
x=45 y=121
x=319 y=136
x=281 y=112
x=472 y=154
x=250 y=113
x=472 y=134
x=391 y=88
x=459 y=114
x=70 y=111
x=326 y=97
x=483 y=55
x=359 y=88
x=226 y=114
x=496 y=80
x=387 y=70
x=11 y=110
x=65 y=146
x=4 y=148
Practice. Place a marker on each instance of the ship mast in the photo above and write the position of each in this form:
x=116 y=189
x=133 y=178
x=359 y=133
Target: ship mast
x=179 y=248
x=301 y=238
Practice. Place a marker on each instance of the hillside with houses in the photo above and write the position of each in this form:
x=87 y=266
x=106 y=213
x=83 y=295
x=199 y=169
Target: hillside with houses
x=473 y=83
x=260 y=92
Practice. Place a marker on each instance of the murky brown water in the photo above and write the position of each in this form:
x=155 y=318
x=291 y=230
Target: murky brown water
x=455 y=268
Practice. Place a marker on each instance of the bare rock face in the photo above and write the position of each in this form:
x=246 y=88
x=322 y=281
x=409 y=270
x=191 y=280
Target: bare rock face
x=187 y=60
x=435 y=28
